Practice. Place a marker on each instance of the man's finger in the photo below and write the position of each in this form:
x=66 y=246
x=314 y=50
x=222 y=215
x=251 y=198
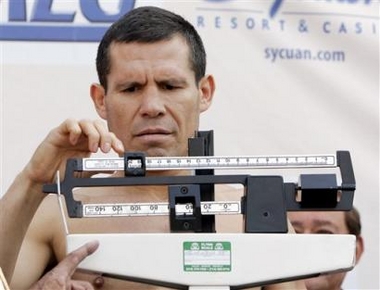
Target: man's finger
x=92 y=134
x=68 y=265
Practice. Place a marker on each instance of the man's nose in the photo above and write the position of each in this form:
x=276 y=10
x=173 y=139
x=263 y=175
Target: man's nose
x=152 y=102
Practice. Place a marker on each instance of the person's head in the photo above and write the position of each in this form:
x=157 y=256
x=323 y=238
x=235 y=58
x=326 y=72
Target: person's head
x=149 y=25
x=151 y=65
x=328 y=222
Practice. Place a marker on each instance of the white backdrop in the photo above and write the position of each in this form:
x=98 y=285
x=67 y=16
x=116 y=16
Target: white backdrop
x=293 y=77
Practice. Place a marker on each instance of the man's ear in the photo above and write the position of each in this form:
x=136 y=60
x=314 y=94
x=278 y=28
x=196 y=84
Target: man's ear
x=207 y=89
x=359 y=248
x=98 y=97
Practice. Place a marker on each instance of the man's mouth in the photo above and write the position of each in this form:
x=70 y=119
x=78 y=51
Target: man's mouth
x=150 y=131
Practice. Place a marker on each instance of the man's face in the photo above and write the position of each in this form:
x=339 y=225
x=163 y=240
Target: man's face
x=153 y=103
x=320 y=223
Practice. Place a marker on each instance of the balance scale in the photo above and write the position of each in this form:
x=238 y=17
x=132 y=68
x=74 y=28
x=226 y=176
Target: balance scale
x=193 y=256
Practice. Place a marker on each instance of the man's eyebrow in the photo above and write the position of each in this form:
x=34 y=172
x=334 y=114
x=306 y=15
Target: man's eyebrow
x=325 y=223
x=317 y=222
x=174 y=80
x=127 y=84
x=322 y=222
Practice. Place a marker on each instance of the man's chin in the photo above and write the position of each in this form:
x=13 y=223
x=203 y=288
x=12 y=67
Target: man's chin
x=158 y=152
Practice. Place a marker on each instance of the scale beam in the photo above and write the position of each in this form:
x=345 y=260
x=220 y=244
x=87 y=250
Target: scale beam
x=159 y=208
x=264 y=195
x=207 y=162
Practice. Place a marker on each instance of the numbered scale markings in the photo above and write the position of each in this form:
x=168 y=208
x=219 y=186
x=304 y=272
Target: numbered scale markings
x=152 y=209
x=210 y=162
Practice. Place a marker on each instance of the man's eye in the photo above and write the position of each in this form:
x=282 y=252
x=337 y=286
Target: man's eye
x=168 y=87
x=130 y=89
x=323 y=231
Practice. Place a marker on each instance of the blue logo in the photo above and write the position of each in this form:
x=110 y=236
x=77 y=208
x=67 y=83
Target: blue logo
x=276 y=4
x=275 y=7
x=48 y=25
x=41 y=20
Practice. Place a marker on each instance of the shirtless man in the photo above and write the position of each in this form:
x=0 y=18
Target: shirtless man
x=151 y=66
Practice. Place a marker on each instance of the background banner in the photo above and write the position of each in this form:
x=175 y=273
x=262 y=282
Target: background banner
x=292 y=77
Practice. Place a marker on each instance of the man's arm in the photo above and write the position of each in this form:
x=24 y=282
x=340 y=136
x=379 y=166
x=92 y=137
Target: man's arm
x=17 y=208
x=18 y=205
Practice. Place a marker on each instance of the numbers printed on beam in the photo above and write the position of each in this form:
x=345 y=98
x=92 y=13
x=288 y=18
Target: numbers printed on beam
x=154 y=209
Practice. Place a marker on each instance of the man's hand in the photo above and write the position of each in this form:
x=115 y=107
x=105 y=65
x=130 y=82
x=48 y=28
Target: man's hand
x=60 y=276
x=70 y=139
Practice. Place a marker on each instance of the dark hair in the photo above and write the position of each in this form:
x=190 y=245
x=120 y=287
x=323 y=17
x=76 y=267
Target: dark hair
x=146 y=25
x=352 y=219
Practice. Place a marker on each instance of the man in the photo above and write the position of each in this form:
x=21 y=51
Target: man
x=329 y=222
x=151 y=66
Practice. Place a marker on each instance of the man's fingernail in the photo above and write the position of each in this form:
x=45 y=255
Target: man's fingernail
x=106 y=147
x=94 y=147
x=120 y=146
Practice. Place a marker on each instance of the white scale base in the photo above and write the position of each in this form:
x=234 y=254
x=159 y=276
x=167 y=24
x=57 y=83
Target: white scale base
x=216 y=261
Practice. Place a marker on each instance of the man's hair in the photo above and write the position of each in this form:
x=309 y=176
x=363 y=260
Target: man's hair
x=352 y=219
x=148 y=25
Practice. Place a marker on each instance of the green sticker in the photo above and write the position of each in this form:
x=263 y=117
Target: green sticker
x=207 y=256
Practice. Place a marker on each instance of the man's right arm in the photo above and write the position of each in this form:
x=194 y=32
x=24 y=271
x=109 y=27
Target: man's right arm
x=18 y=205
